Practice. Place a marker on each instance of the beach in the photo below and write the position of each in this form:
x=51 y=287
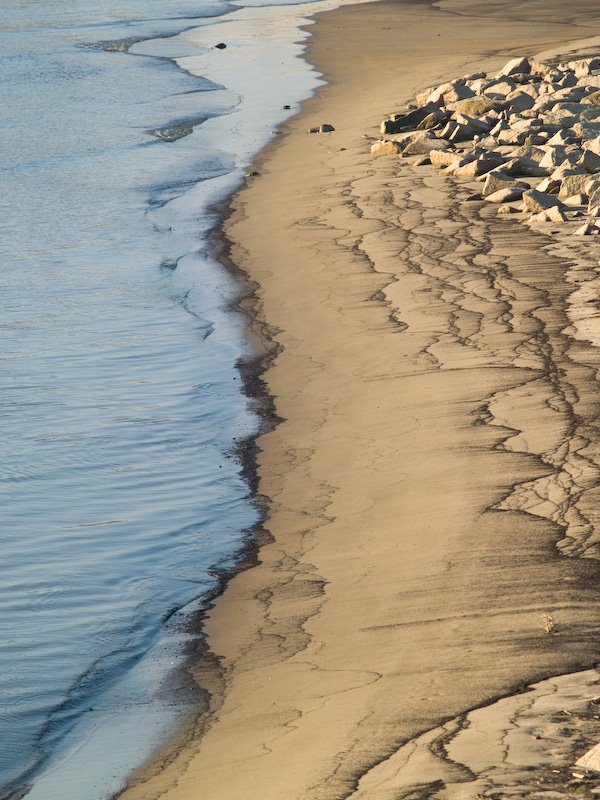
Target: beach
x=430 y=395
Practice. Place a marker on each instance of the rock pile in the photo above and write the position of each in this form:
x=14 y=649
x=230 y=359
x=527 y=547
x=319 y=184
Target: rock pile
x=530 y=135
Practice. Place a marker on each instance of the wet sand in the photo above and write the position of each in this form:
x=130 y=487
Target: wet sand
x=432 y=487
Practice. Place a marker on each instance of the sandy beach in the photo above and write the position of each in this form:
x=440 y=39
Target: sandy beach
x=432 y=486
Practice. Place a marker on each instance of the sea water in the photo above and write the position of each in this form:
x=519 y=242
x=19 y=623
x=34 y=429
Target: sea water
x=121 y=128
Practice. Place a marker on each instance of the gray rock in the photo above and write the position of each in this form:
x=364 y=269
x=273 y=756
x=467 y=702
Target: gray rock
x=442 y=158
x=326 y=128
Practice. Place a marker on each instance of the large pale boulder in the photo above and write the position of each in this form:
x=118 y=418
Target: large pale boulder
x=573 y=184
x=421 y=142
x=508 y=195
x=442 y=158
x=519 y=101
x=592 y=99
x=495 y=181
x=499 y=89
x=410 y=120
x=535 y=201
x=477 y=106
x=515 y=66
x=384 y=147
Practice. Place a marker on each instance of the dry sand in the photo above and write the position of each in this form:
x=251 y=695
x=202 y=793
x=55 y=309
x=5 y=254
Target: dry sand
x=425 y=368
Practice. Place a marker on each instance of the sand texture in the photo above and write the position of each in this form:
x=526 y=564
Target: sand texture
x=432 y=487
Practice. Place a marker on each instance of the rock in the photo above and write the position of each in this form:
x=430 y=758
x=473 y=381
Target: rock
x=421 y=161
x=555 y=215
x=286 y=107
x=442 y=158
x=477 y=106
x=555 y=156
x=431 y=120
x=253 y=174
x=535 y=201
x=499 y=89
x=573 y=184
x=520 y=101
x=566 y=169
x=382 y=147
x=326 y=128
x=549 y=186
x=220 y=46
x=564 y=137
x=408 y=121
x=587 y=229
x=422 y=142
x=314 y=130
x=450 y=93
x=525 y=167
x=590 y=161
x=507 y=195
x=593 y=145
x=576 y=200
x=476 y=124
x=592 y=99
x=507 y=210
x=495 y=181
x=515 y=66
x=550 y=215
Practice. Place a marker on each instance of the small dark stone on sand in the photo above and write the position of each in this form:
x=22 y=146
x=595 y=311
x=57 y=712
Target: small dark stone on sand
x=475 y=197
x=326 y=128
x=252 y=174
x=221 y=46
x=286 y=108
x=276 y=132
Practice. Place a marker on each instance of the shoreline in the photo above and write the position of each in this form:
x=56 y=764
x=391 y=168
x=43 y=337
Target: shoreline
x=254 y=371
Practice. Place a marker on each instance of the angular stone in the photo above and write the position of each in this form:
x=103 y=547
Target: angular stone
x=566 y=169
x=549 y=186
x=421 y=142
x=505 y=195
x=576 y=200
x=477 y=106
x=520 y=101
x=475 y=123
x=515 y=66
x=507 y=210
x=442 y=158
x=449 y=92
x=555 y=156
x=590 y=161
x=384 y=147
x=525 y=167
x=410 y=120
x=587 y=229
x=573 y=184
x=500 y=88
x=432 y=120
x=495 y=181
x=593 y=99
x=535 y=201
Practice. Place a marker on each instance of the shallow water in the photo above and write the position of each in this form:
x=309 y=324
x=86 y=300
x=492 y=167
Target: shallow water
x=121 y=397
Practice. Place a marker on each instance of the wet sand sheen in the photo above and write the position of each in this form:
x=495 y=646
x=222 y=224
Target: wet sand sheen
x=431 y=487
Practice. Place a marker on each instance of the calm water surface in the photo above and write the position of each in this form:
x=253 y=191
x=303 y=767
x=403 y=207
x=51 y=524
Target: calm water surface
x=120 y=127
